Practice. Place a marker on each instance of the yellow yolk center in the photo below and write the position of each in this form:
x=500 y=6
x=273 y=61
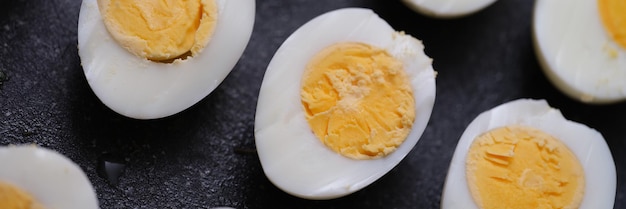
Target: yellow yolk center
x=521 y=167
x=358 y=100
x=160 y=30
x=12 y=197
x=613 y=15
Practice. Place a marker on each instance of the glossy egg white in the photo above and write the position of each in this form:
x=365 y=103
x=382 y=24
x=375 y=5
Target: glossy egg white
x=586 y=144
x=292 y=157
x=576 y=52
x=138 y=88
x=51 y=178
x=447 y=8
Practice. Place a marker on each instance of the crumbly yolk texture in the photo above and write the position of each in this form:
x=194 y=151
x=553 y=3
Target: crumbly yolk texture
x=522 y=167
x=160 y=30
x=613 y=15
x=358 y=100
x=12 y=197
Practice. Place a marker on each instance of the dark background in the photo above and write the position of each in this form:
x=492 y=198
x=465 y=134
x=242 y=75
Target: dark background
x=204 y=156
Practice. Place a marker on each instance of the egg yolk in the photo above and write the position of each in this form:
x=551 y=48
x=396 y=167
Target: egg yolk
x=358 y=100
x=613 y=15
x=160 y=30
x=522 y=167
x=12 y=197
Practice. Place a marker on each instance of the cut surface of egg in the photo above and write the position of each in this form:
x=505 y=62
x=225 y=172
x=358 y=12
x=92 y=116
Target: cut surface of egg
x=581 y=47
x=447 y=8
x=36 y=177
x=525 y=154
x=153 y=59
x=343 y=101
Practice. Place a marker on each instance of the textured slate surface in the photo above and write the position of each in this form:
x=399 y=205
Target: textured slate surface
x=204 y=157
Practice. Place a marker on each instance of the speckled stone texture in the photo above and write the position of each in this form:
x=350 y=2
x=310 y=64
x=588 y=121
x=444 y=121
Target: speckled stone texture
x=204 y=157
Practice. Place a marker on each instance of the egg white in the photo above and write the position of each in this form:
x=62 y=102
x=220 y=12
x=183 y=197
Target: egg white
x=447 y=8
x=138 y=88
x=587 y=144
x=51 y=178
x=292 y=157
x=573 y=48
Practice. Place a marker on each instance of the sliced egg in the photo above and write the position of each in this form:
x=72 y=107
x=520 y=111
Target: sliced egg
x=525 y=154
x=43 y=179
x=343 y=101
x=581 y=47
x=152 y=59
x=447 y=8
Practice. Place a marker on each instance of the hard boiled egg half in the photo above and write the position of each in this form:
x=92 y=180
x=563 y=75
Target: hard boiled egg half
x=447 y=8
x=152 y=59
x=581 y=46
x=343 y=101
x=39 y=178
x=525 y=154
